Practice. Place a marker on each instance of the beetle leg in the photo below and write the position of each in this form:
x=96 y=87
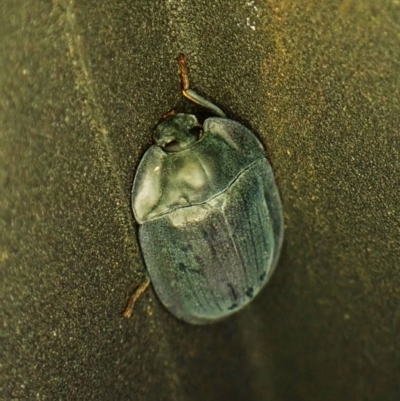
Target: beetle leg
x=192 y=95
x=134 y=297
x=196 y=98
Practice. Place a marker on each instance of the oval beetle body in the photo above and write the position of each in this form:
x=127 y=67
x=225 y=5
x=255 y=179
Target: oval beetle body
x=210 y=215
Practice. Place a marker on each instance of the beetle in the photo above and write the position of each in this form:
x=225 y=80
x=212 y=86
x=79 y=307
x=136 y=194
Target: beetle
x=209 y=214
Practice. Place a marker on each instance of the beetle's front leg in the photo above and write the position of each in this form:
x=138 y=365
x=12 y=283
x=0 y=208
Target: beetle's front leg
x=192 y=95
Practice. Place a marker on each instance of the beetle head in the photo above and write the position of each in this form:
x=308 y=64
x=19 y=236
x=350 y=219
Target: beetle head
x=178 y=133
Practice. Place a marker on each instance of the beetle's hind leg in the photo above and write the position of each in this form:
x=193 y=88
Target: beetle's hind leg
x=134 y=297
x=192 y=95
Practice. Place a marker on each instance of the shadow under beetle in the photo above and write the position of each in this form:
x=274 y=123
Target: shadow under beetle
x=210 y=215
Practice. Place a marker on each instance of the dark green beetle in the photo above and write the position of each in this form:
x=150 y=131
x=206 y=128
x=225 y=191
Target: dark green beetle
x=210 y=216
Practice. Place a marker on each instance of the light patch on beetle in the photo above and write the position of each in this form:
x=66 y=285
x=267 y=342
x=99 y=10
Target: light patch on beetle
x=191 y=177
x=189 y=215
